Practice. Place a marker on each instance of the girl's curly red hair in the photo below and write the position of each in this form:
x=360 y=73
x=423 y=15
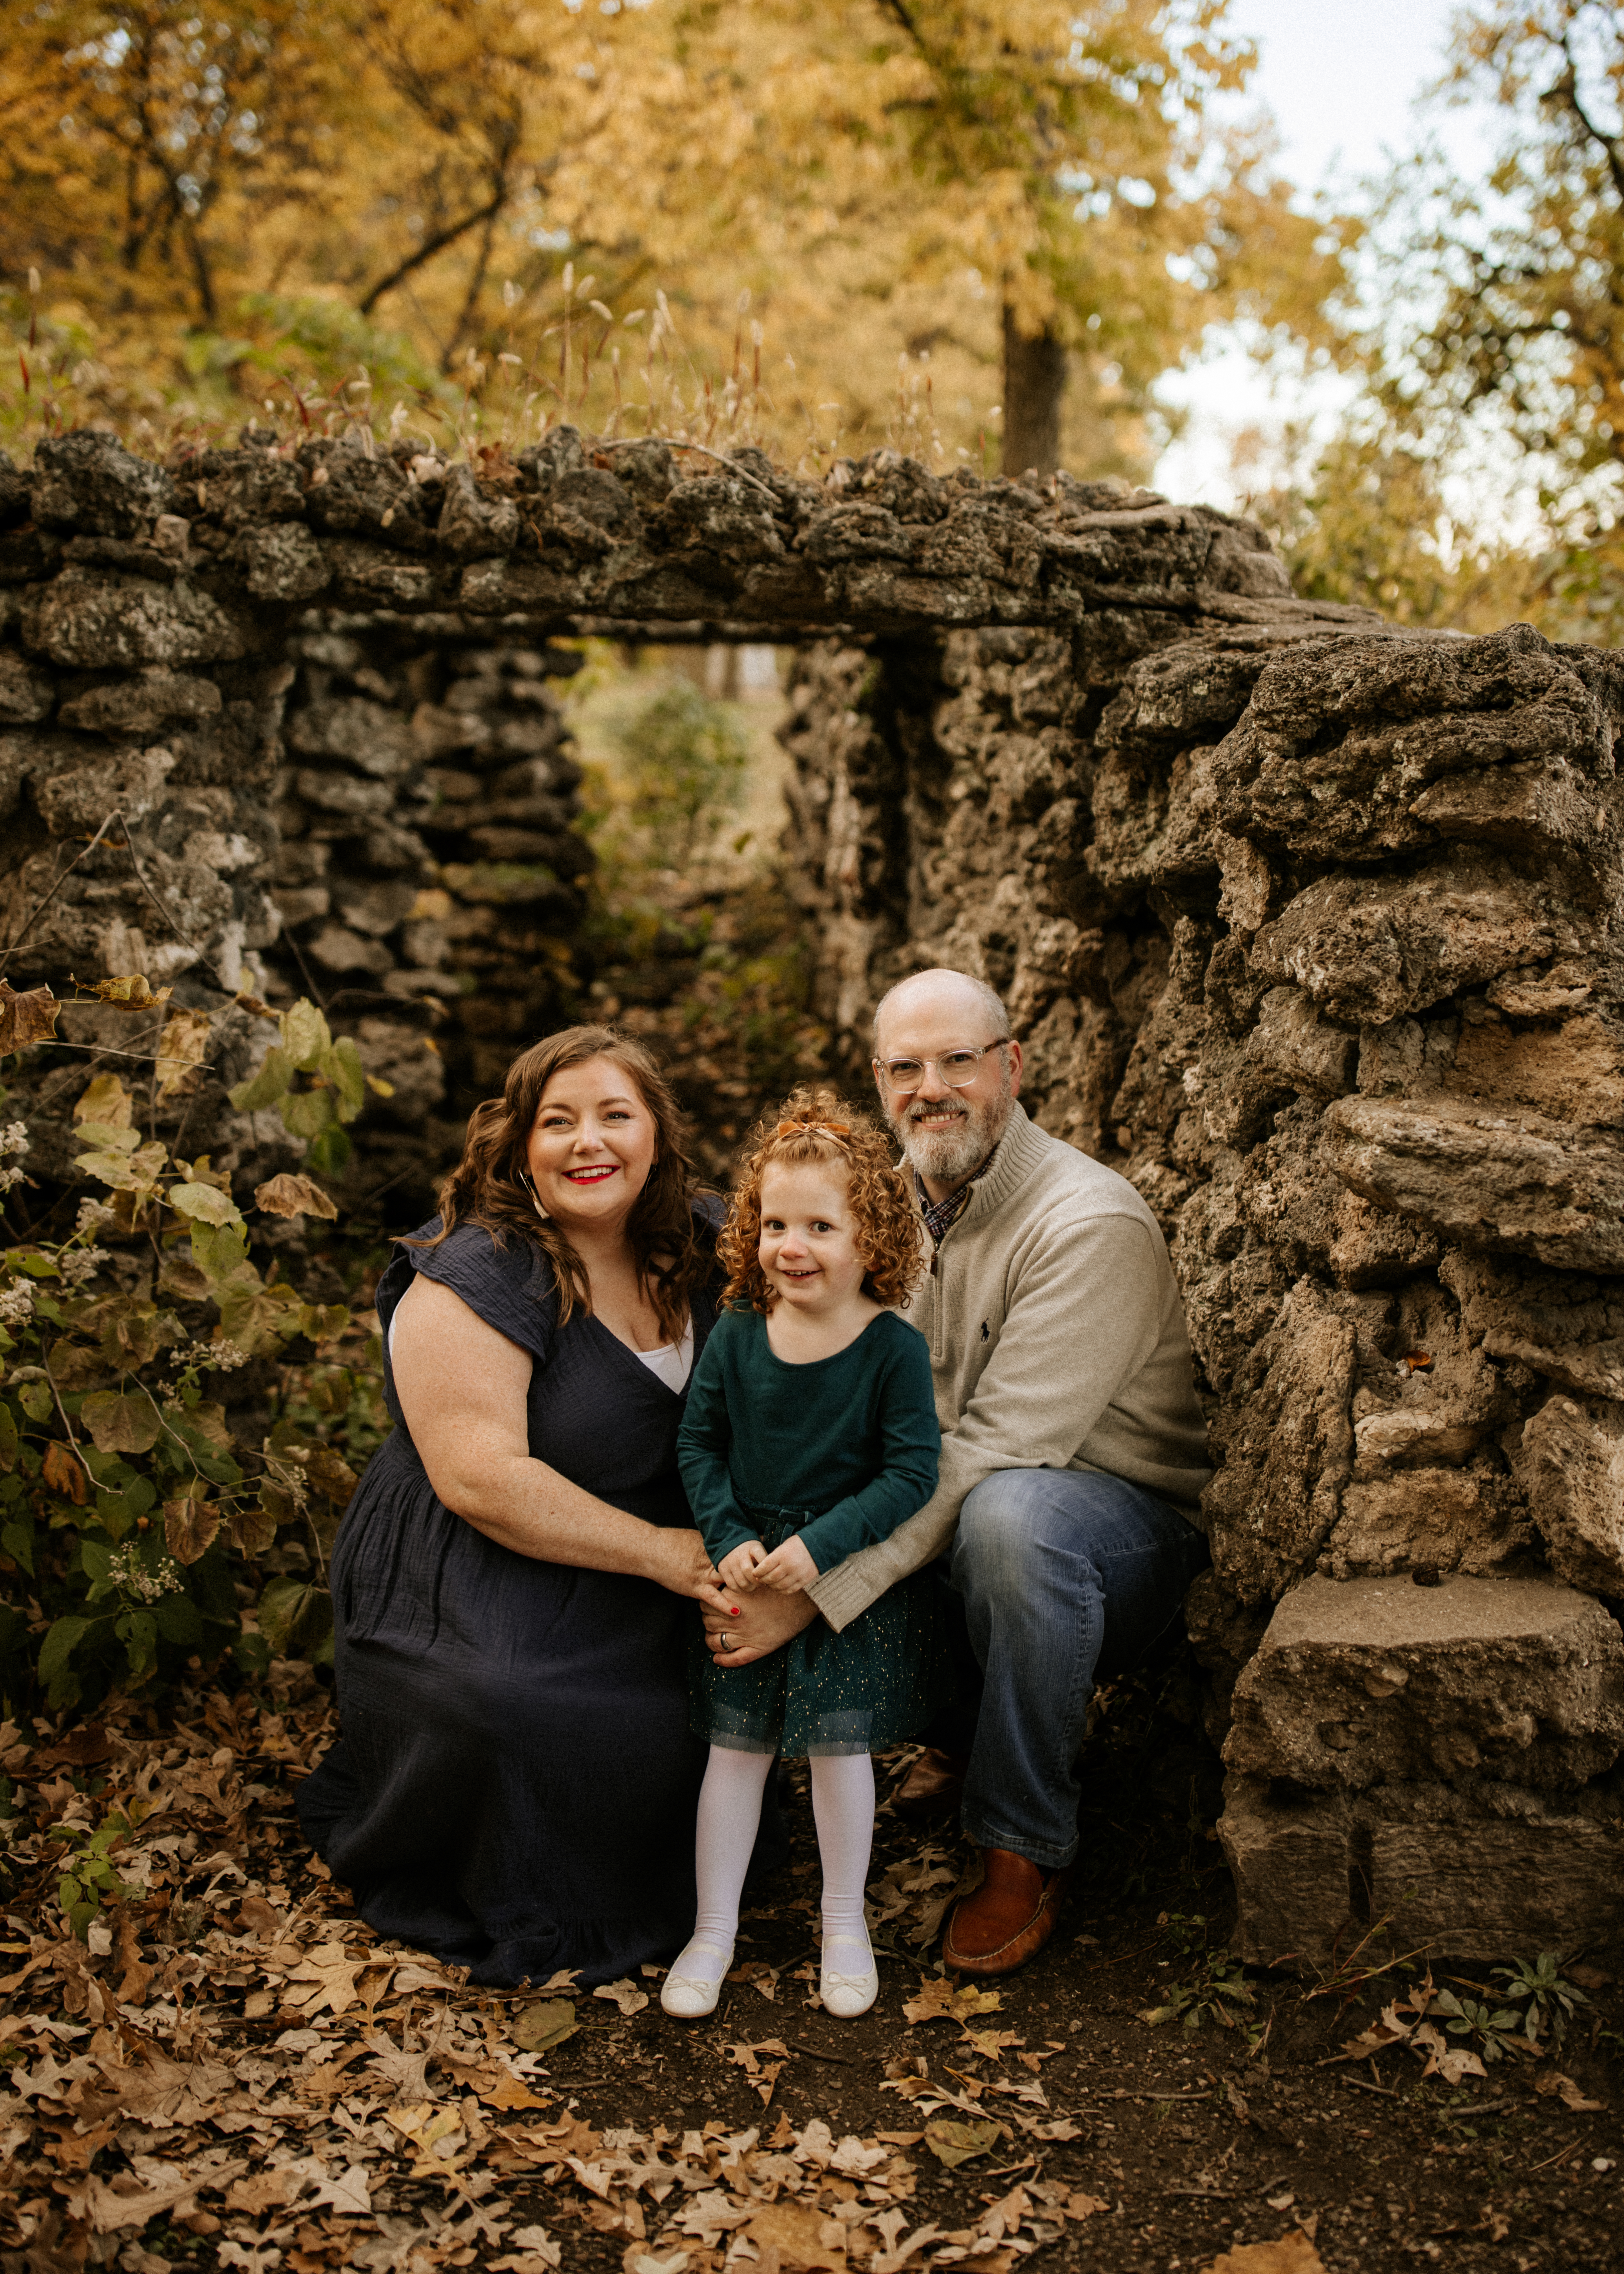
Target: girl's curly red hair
x=813 y=1126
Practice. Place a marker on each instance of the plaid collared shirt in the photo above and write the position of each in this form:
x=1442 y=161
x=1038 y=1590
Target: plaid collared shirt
x=940 y=1216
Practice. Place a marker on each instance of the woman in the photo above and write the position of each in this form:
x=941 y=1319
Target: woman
x=514 y=1785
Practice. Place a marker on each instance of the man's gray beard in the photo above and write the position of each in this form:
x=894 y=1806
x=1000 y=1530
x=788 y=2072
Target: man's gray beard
x=947 y=1156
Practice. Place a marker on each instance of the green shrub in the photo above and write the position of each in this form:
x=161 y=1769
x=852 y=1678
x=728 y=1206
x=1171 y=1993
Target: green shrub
x=688 y=768
x=150 y=1528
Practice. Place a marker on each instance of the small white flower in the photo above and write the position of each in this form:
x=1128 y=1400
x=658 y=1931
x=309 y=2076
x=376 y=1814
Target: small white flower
x=78 y=1264
x=14 y=1137
x=126 y=1570
x=224 y=1356
x=16 y=1304
x=10 y=1177
x=92 y=1215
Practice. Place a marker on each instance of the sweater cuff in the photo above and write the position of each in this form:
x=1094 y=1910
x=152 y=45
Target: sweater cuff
x=843 y=1595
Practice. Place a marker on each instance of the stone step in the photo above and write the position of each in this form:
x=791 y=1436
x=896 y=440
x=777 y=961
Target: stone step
x=1364 y=1682
x=1499 y=1873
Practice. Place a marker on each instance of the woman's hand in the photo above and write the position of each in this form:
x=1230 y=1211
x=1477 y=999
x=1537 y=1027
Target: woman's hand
x=680 y=1562
x=789 y=1569
x=739 y=1634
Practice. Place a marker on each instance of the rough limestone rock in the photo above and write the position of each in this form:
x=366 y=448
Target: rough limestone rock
x=1419 y=1867
x=1308 y=921
x=1309 y=927
x=1571 y=1466
x=1374 y=1682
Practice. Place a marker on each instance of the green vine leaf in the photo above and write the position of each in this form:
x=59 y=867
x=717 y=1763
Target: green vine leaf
x=120 y=1423
x=204 y=1204
x=264 y=1088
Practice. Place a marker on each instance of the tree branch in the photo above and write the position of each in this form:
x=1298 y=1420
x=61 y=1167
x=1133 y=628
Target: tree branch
x=430 y=245
x=1567 y=85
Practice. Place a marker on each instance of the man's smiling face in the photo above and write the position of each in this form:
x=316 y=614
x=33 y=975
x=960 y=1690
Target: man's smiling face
x=945 y=1133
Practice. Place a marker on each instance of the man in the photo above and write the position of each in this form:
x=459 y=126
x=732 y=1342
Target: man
x=1074 y=1450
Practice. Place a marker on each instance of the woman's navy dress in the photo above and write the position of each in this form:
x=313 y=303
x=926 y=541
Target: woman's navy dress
x=514 y=1785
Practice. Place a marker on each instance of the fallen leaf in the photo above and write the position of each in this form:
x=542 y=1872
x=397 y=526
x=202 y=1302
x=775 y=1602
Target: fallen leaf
x=940 y=1999
x=762 y=2074
x=953 y=2144
x=132 y=2200
x=898 y=2254
x=1293 y=2253
x=348 y=2192
x=855 y=2159
x=290 y=1195
x=1079 y=2205
x=325 y=1980
x=626 y=1995
x=800 y=2237
x=1570 y=2095
x=265 y=2191
x=546 y=2022
x=26 y=1017
x=1451 y=2062
x=509 y=2092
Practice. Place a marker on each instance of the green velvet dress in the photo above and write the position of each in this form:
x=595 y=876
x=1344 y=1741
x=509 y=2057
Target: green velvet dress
x=840 y=1450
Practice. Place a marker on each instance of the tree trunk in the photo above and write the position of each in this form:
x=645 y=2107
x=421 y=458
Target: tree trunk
x=1034 y=380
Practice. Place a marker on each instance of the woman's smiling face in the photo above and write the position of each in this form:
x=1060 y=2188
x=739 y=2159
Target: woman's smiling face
x=591 y=1146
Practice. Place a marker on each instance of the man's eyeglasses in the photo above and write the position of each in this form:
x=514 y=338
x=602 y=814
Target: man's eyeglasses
x=955 y=1069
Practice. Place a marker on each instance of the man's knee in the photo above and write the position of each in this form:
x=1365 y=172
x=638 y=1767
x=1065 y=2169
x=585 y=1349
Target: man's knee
x=998 y=1544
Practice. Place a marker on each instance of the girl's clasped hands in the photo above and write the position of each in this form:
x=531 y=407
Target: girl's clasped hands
x=790 y=1569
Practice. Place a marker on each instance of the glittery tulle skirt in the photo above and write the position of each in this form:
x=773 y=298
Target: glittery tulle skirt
x=876 y=1681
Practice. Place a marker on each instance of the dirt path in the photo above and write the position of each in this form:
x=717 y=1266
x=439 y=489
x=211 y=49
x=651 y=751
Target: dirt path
x=233 y=2072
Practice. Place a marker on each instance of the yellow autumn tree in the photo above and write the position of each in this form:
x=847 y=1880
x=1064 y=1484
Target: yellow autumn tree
x=937 y=208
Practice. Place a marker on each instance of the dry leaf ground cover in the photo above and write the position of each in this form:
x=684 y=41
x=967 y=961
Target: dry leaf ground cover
x=230 y=2071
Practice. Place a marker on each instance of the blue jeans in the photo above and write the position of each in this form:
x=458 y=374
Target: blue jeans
x=1064 y=1573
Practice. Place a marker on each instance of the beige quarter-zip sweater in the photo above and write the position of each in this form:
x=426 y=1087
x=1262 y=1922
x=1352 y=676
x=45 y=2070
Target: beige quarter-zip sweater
x=1057 y=1341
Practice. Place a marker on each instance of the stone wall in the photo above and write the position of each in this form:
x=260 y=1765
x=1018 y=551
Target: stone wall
x=427 y=870
x=1308 y=924
x=300 y=692
x=1309 y=927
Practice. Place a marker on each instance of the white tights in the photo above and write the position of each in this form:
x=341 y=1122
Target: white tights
x=730 y=1803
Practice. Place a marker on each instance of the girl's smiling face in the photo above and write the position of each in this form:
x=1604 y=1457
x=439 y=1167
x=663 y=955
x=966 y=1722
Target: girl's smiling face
x=591 y=1146
x=807 y=1250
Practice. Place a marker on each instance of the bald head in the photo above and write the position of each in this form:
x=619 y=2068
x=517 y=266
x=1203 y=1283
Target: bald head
x=946 y=1131
x=943 y=994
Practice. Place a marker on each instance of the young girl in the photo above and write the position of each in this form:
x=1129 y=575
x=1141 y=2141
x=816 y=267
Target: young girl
x=810 y=1431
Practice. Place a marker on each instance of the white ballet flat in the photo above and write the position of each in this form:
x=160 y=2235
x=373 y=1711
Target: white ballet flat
x=691 y=1996
x=845 y=1996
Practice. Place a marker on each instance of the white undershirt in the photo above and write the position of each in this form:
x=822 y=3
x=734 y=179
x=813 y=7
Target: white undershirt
x=672 y=1362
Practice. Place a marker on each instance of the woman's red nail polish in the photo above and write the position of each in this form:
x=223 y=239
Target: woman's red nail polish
x=733 y=1613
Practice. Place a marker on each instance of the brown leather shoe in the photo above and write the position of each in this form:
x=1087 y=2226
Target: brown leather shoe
x=933 y=1787
x=1007 y=1920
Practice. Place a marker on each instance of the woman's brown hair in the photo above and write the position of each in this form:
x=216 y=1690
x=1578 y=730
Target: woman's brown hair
x=815 y=1126
x=485 y=1187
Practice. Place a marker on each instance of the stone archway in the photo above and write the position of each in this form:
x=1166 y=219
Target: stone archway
x=1311 y=922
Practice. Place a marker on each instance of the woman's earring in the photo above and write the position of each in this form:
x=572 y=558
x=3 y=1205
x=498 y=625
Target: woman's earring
x=535 y=1203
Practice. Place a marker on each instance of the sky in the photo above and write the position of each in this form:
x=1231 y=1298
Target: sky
x=1341 y=82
